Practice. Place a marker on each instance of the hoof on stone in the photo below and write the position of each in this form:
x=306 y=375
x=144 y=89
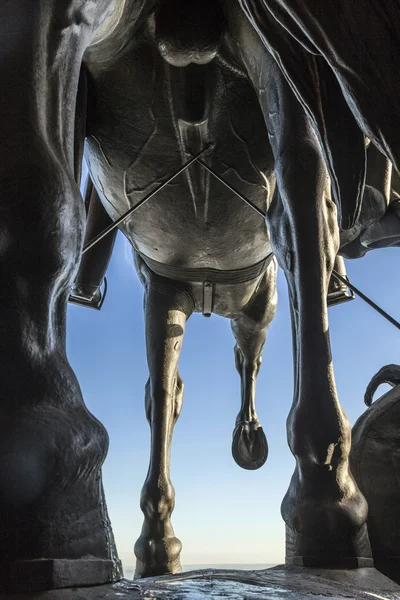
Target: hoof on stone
x=249 y=445
x=155 y=558
x=314 y=549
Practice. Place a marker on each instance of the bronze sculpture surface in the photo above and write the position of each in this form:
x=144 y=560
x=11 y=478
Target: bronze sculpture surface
x=182 y=116
x=375 y=462
x=150 y=84
x=333 y=51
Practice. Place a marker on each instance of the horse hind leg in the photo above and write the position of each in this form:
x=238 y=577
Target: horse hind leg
x=324 y=511
x=167 y=308
x=249 y=444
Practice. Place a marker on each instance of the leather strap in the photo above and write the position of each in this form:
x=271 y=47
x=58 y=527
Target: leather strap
x=193 y=275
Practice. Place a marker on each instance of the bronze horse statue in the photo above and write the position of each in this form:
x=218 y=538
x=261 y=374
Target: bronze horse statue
x=375 y=452
x=354 y=46
x=378 y=226
x=172 y=294
x=186 y=254
x=247 y=296
x=149 y=84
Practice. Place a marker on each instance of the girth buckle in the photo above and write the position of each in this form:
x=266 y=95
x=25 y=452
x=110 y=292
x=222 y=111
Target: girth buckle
x=207 y=298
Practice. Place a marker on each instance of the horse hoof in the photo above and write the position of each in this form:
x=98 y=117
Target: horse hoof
x=157 y=556
x=249 y=445
x=326 y=548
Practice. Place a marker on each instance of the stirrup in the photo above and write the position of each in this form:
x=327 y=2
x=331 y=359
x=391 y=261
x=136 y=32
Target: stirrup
x=95 y=302
x=338 y=292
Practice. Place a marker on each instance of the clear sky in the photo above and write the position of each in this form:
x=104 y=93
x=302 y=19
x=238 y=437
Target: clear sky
x=223 y=514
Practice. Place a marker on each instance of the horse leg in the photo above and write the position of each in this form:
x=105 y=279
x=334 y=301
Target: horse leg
x=249 y=445
x=54 y=528
x=167 y=308
x=324 y=511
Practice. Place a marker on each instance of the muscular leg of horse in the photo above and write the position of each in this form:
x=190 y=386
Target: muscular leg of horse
x=167 y=308
x=249 y=446
x=324 y=511
x=366 y=69
x=51 y=448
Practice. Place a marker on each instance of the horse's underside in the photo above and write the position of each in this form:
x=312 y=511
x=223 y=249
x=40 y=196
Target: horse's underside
x=52 y=505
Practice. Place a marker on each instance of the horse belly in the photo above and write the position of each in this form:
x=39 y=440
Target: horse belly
x=136 y=141
x=230 y=236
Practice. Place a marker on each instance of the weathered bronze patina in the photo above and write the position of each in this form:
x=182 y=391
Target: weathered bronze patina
x=375 y=461
x=149 y=84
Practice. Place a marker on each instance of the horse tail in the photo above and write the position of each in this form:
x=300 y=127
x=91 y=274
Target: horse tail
x=389 y=374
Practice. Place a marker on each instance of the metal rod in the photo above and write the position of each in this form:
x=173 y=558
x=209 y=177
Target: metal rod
x=222 y=180
x=334 y=273
x=366 y=299
x=111 y=227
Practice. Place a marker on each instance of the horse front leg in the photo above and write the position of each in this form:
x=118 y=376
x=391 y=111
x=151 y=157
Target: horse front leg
x=54 y=528
x=167 y=308
x=249 y=444
x=324 y=511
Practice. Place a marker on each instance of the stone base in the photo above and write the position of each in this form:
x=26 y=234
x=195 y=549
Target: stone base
x=279 y=583
x=46 y=574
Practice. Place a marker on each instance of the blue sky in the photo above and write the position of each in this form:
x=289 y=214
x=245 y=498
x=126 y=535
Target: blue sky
x=223 y=514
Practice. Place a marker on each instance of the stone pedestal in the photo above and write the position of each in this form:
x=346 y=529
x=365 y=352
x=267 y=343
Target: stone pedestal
x=279 y=583
x=47 y=574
